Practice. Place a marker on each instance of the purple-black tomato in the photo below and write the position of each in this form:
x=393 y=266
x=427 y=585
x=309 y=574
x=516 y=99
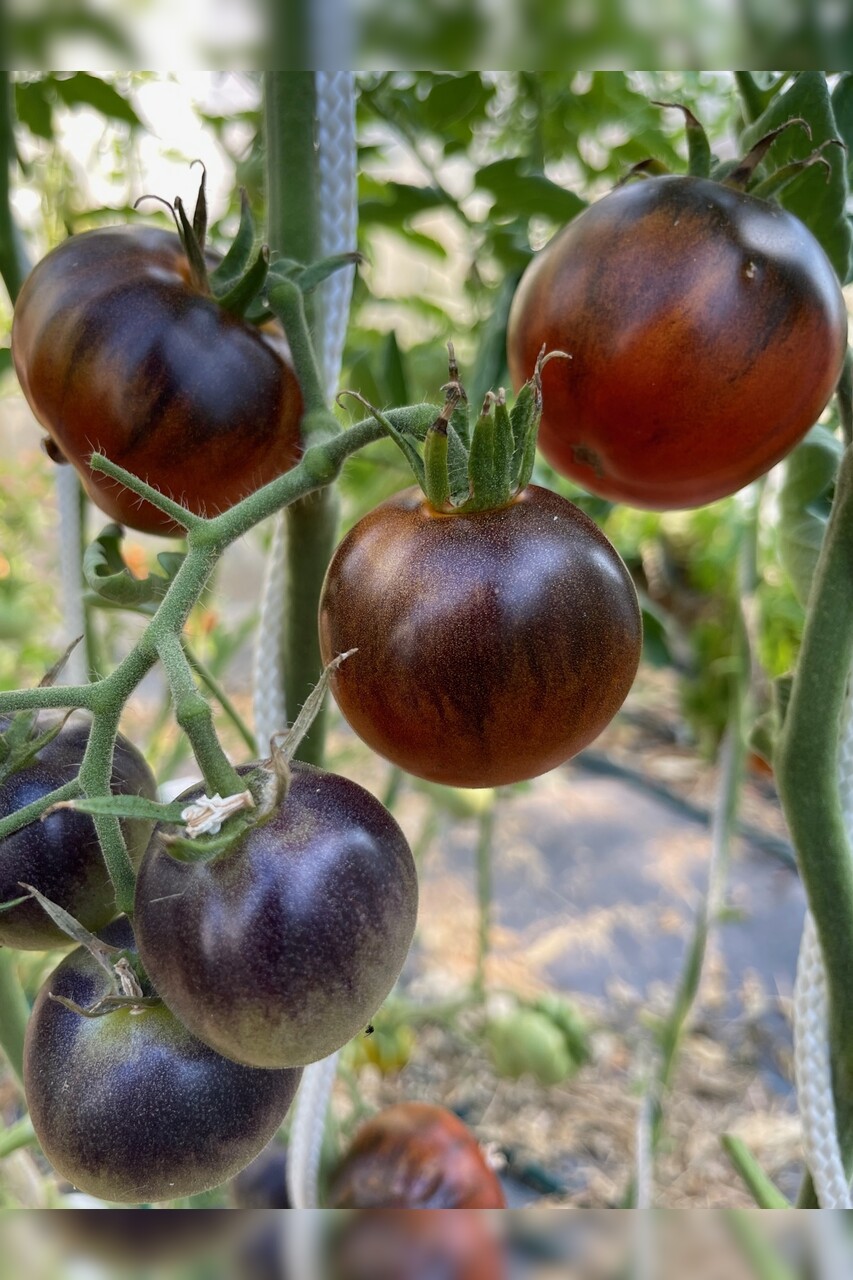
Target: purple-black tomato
x=60 y=855
x=490 y=647
x=707 y=331
x=280 y=950
x=130 y=1106
x=117 y=351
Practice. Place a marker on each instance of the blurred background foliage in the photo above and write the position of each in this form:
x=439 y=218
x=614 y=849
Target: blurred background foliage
x=462 y=177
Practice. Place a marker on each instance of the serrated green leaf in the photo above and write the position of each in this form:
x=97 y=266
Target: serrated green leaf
x=34 y=108
x=91 y=91
x=819 y=200
x=111 y=579
x=127 y=806
x=804 y=505
x=455 y=98
x=392 y=363
x=519 y=191
x=399 y=201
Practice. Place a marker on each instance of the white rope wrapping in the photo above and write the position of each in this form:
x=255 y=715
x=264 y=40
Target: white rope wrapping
x=812 y=1062
x=338 y=213
x=268 y=705
x=70 y=571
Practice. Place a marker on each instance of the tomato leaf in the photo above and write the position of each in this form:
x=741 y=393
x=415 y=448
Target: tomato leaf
x=124 y=806
x=239 y=254
x=81 y=88
x=519 y=190
x=34 y=108
x=111 y=579
x=818 y=199
x=805 y=499
x=394 y=370
x=100 y=951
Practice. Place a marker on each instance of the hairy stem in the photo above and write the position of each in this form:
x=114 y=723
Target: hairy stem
x=14 y=266
x=806 y=768
x=764 y=1192
x=215 y=688
x=289 y=114
x=14 y=1012
x=194 y=715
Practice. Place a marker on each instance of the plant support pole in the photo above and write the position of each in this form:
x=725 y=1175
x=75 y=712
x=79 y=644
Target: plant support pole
x=311 y=524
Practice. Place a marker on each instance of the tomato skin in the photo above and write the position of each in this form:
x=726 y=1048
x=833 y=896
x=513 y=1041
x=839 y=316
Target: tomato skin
x=491 y=646
x=280 y=951
x=414 y=1156
x=707 y=331
x=131 y=1107
x=60 y=856
x=115 y=350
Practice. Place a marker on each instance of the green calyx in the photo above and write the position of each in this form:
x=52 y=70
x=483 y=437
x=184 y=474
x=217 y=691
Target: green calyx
x=740 y=174
x=467 y=466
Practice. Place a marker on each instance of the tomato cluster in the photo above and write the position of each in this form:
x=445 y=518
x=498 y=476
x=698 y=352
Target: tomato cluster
x=492 y=631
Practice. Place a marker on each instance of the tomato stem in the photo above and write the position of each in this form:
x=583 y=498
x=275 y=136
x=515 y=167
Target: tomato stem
x=806 y=768
x=14 y=266
x=14 y=1012
x=194 y=715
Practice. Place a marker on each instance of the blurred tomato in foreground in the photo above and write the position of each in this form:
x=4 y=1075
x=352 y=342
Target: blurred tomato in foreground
x=417 y=1244
x=415 y=1156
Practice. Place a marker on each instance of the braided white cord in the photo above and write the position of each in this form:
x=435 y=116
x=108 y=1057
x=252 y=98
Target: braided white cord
x=338 y=212
x=812 y=1062
x=70 y=571
x=268 y=704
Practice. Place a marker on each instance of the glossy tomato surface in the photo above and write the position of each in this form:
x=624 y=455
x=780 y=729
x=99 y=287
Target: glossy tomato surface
x=116 y=351
x=490 y=647
x=60 y=855
x=279 y=951
x=130 y=1106
x=414 y=1156
x=707 y=331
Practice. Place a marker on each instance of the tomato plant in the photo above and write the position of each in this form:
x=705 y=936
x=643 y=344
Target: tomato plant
x=414 y=1156
x=707 y=330
x=60 y=855
x=279 y=950
x=491 y=646
x=119 y=348
x=129 y=1106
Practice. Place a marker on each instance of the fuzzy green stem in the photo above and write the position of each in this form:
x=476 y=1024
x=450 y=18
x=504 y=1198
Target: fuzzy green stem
x=18 y=1135
x=312 y=530
x=289 y=115
x=287 y=301
x=751 y=95
x=485 y=840
x=806 y=767
x=194 y=715
x=209 y=680
x=764 y=1192
x=14 y=267
x=14 y=1012
x=95 y=777
x=765 y=1262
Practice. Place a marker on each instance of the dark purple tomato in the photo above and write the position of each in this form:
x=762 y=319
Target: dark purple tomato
x=280 y=950
x=60 y=856
x=490 y=647
x=707 y=330
x=130 y=1106
x=117 y=351
x=414 y=1156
